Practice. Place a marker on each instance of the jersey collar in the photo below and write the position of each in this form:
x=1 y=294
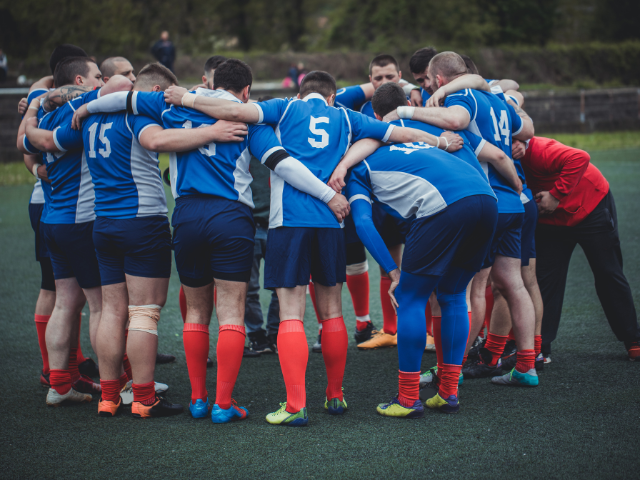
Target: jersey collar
x=205 y=92
x=312 y=96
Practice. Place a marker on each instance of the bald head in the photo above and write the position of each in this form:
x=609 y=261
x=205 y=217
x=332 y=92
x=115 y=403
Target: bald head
x=446 y=66
x=117 y=66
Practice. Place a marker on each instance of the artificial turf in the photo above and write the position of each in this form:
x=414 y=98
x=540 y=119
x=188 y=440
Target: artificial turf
x=581 y=422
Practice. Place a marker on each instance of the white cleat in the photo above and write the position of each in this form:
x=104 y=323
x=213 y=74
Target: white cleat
x=161 y=387
x=126 y=394
x=54 y=399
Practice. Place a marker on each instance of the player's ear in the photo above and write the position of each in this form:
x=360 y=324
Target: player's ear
x=79 y=80
x=204 y=80
x=156 y=88
x=246 y=93
x=399 y=74
x=331 y=99
x=377 y=116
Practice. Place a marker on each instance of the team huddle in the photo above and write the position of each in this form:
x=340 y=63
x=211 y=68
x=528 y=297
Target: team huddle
x=426 y=178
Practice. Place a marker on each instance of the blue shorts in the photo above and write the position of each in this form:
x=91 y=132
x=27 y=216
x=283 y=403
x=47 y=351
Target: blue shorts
x=458 y=236
x=72 y=252
x=134 y=246
x=212 y=238
x=296 y=253
x=392 y=230
x=528 y=237
x=35 y=214
x=507 y=239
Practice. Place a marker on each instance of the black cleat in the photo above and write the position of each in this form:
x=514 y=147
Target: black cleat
x=260 y=343
x=162 y=358
x=509 y=356
x=364 y=335
x=317 y=347
x=209 y=363
x=481 y=369
x=89 y=368
x=273 y=342
x=474 y=354
x=539 y=363
x=161 y=408
x=250 y=353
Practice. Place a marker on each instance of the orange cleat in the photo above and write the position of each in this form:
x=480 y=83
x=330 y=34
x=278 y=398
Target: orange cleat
x=379 y=340
x=161 y=408
x=107 y=408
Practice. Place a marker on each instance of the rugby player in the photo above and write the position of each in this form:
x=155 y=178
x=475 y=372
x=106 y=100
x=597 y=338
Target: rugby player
x=117 y=66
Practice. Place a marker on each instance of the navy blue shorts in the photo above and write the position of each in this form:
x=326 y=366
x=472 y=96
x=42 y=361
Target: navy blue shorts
x=72 y=252
x=392 y=230
x=507 y=239
x=134 y=246
x=295 y=253
x=35 y=214
x=528 y=237
x=212 y=238
x=458 y=236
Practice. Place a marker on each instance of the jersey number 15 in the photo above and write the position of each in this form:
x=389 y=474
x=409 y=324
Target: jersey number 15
x=106 y=151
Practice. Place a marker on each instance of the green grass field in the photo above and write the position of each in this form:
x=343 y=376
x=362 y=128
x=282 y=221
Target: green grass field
x=581 y=422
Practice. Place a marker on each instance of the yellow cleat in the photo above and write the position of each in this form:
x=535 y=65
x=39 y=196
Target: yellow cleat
x=379 y=339
x=431 y=344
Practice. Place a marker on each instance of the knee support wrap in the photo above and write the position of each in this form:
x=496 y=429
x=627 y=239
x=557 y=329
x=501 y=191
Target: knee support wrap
x=144 y=318
x=358 y=268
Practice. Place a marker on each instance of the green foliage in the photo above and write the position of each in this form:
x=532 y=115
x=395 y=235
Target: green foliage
x=15 y=173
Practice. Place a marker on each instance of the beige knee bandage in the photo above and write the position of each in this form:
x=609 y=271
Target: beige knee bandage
x=144 y=318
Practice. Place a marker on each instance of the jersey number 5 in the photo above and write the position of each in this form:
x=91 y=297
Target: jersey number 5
x=502 y=127
x=313 y=126
x=210 y=149
x=104 y=152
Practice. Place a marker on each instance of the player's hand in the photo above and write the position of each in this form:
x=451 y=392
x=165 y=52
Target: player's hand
x=416 y=98
x=452 y=142
x=339 y=205
x=224 y=131
x=22 y=106
x=547 y=203
x=391 y=116
x=78 y=116
x=518 y=186
x=337 y=178
x=173 y=95
x=394 y=275
x=518 y=149
x=42 y=174
x=437 y=98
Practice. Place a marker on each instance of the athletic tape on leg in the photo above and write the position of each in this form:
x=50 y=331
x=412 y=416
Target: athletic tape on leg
x=358 y=268
x=144 y=318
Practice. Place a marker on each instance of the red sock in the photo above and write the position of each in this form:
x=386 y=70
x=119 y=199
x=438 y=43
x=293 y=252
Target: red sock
x=229 y=353
x=73 y=364
x=437 y=338
x=449 y=377
x=537 y=341
x=144 y=393
x=358 y=286
x=80 y=356
x=127 y=367
x=41 y=329
x=110 y=390
x=123 y=380
x=408 y=388
x=511 y=335
x=294 y=355
x=429 y=318
x=195 y=337
x=390 y=321
x=60 y=380
x=182 y=298
x=312 y=294
x=464 y=359
x=526 y=360
x=495 y=344
x=334 y=351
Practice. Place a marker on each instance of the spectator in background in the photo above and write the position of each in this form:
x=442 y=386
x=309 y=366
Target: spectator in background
x=301 y=72
x=164 y=51
x=3 y=67
x=291 y=81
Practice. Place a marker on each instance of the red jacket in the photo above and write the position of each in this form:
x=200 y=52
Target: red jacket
x=567 y=174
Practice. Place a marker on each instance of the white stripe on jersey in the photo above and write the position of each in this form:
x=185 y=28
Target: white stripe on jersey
x=37 y=196
x=173 y=173
x=276 y=212
x=359 y=197
x=243 y=178
x=86 y=195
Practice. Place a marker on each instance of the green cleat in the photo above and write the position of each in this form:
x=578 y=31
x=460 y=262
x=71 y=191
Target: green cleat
x=335 y=406
x=395 y=409
x=288 y=419
x=516 y=379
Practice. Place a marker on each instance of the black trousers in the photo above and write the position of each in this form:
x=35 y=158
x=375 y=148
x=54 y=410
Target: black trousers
x=598 y=236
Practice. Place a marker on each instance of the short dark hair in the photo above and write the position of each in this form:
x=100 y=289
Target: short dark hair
x=64 y=51
x=156 y=74
x=318 y=82
x=108 y=65
x=421 y=58
x=232 y=75
x=471 y=67
x=213 y=62
x=387 y=98
x=382 y=61
x=67 y=70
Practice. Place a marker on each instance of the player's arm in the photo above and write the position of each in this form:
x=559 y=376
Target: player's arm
x=448 y=141
x=214 y=107
x=31 y=113
x=506 y=84
x=39 y=138
x=158 y=139
x=61 y=95
x=515 y=96
x=502 y=163
x=32 y=162
x=451 y=118
x=527 y=131
x=472 y=81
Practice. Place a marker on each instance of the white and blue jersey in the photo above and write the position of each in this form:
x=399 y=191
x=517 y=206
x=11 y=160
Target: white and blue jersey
x=425 y=96
x=496 y=122
x=318 y=136
x=350 y=97
x=412 y=181
x=218 y=169
x=71 y=198
x=126 y=177
x=367 y=109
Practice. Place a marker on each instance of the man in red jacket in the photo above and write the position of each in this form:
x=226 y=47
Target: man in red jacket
x=576 y=207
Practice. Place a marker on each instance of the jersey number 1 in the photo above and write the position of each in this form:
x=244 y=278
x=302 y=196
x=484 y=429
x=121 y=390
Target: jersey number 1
x=502 y=127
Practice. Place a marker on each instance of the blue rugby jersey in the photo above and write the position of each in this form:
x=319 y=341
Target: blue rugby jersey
x=39 y=193
x=410 y=181
x=126 y=177
x=350 y=97
x=71 y=194
x=494 y=121
x=425 y=96
x=220 y=169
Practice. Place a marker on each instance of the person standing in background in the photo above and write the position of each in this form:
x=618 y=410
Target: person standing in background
x=4 y=69
x=164 y=50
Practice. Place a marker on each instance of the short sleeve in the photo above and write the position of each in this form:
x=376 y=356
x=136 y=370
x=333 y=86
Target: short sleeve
x=350 y=97
x=151 y=104
x=465 y=99
x=272 y=110
x=66 y=138
x=516 y=120
x=263 y=141
x=139 y=123
x=358 y=185
x=28 y=146
x=475 y=142
x=363 y=126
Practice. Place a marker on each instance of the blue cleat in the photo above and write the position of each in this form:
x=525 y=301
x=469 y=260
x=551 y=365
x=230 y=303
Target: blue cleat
x=200 y=409
x=444 y=405
x=231 y=414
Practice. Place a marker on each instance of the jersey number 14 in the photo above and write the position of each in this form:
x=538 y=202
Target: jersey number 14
x=502 y=127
